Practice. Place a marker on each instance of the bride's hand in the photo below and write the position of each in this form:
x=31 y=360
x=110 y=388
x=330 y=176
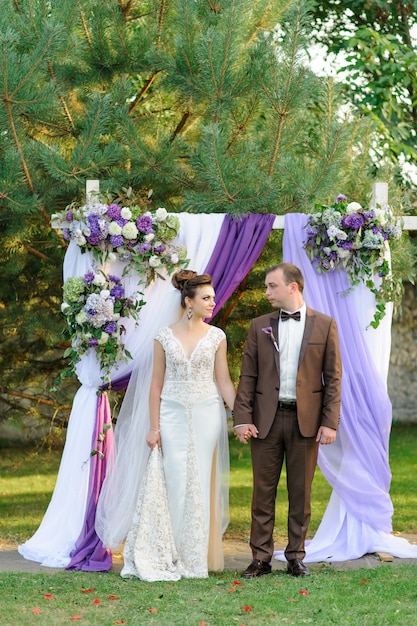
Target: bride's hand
x=153 y=438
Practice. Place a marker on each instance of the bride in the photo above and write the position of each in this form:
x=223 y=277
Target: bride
x=176 y=530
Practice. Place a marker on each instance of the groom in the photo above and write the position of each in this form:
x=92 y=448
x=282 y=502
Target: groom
x=288 y=402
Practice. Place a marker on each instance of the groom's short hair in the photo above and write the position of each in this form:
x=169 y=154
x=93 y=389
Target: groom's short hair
x=291 y=274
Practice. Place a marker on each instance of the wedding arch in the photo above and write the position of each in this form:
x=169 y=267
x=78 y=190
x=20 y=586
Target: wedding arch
x=90 y=500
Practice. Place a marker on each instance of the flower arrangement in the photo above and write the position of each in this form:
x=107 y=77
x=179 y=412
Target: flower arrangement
x=142 y=240
x=345 y=235
x=94 y=306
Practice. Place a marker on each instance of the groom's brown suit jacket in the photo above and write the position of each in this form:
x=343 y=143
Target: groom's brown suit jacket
x=318 y=378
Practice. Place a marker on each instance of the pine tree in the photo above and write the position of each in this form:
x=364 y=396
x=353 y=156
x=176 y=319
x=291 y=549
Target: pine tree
x=207 y=103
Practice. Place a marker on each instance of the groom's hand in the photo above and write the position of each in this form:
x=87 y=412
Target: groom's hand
x=245 y=432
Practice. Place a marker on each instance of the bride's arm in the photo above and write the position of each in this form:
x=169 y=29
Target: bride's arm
x=222 y=375
x=158 y=373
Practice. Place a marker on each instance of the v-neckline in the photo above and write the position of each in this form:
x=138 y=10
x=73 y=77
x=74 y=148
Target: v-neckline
x=188 y=358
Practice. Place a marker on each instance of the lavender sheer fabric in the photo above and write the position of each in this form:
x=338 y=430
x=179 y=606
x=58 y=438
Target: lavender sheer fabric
x=358 y=518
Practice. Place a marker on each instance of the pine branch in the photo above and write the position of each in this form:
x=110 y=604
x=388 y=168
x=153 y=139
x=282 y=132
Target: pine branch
x=143 y=91
x=34 y=252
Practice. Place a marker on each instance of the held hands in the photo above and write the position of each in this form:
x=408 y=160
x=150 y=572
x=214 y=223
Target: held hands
x=326 y=435
x=153 y=438
x=245 y=432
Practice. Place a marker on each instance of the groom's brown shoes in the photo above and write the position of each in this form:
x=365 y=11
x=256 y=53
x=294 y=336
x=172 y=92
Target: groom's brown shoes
x=297 y=568
x=257 y=568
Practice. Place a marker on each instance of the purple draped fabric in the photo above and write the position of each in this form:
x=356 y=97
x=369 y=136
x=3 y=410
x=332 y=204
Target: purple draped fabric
x=238 y=247
x=357 y=465
x=88 y=553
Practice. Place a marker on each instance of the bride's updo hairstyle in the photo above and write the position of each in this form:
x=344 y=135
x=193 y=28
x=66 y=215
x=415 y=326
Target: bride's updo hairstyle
x=188 y=282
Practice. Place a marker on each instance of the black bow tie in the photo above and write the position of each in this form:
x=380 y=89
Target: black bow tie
x=286 y=316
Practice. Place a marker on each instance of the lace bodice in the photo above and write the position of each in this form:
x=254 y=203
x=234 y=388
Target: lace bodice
x=189 y=380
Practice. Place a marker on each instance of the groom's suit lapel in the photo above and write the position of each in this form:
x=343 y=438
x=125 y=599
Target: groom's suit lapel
x=274 y=325
x=310 y=318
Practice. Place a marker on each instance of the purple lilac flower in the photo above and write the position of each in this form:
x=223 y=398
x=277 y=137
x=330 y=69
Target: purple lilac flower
x=66 y=234
x=121 y=221
x=341 y=198
x=117 y=292
x=92 y=312
x=68 y=216
x=93 y=240
x=113 y=211
x=376 y=230
x=93 y=342
x=88 y=277
x=385 y=236
x=144 y=247
x=93 y=224
x=114 y=279
x=144 y=224
x=353 y=221
x=110 y=328
x=345 y=245
x=159 y=249
x=368 y=215
x=116 y=240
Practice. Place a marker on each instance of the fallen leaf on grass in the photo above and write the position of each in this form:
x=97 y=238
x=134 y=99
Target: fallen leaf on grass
x=119 y=621
x=75 y=617
x=36 y=611
x=363 y=581
x=87 y=590
x=303 y=592
x=153 y=610
x=113 y=597
x=247 y=608
x=237 y=582
x=231 y=590
x=48 y=596
x=96 y=601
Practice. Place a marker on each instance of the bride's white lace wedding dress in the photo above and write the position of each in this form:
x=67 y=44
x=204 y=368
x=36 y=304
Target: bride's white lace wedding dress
x=177 y=514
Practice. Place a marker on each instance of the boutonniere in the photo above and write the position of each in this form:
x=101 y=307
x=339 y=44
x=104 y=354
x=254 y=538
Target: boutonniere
x=268 y=331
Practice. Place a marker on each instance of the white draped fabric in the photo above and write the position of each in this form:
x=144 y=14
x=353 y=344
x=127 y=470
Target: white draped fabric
x=357 y=520
x=55 y=538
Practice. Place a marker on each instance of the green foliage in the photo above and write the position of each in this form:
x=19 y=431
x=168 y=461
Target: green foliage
x=379 y=68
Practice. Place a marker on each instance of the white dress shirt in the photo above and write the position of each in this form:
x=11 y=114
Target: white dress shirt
x=290 y=336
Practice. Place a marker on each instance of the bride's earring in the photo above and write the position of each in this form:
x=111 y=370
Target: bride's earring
x=189 y=313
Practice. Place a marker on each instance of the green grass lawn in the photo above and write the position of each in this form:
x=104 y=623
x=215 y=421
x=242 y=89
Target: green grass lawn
x=383 y=596
x=27 y=479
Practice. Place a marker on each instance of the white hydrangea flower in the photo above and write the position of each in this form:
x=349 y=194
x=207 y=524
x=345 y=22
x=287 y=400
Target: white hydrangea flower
x=381 y=216
x=64 y=307
x=80 y=240
x=99 y=279
x=81 y=317
x=112 y=256
x=174 y=258
x=130 y=231
x=149 y=237
x=126 y=213
x=353 y=207
x=161 y=214
x=342 y=253
x=105 y=293
x=154 y=261
x=115 y=229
